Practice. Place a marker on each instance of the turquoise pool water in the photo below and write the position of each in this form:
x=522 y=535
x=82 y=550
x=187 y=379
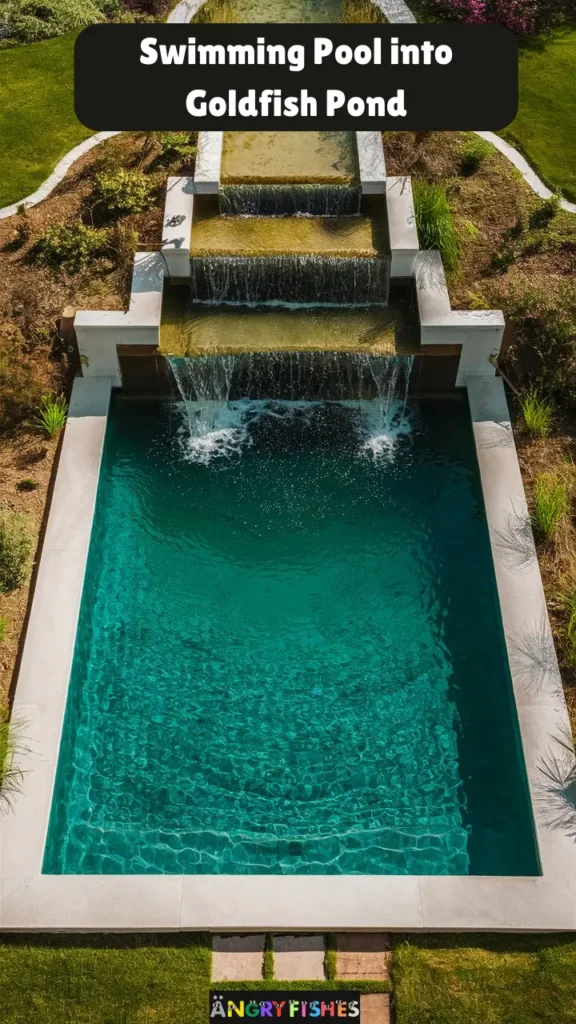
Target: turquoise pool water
x=290 y=660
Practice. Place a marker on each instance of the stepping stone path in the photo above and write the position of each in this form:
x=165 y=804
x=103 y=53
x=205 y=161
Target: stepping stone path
x=363 y=955
x=299 y=957
x=375 y=1008
x=237 y=957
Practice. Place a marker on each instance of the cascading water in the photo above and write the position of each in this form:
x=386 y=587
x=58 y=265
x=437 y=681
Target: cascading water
x=289 y=200
x=319 y=280
x=223 y=396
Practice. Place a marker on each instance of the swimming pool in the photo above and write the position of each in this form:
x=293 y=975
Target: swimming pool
x=290 y=660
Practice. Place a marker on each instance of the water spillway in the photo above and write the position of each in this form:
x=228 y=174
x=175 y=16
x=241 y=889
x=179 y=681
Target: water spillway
x=289 y=200
x=342 y=260
x=291 y=278
x=225 y=399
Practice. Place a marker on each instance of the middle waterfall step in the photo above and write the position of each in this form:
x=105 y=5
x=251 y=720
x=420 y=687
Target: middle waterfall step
x=320 y=260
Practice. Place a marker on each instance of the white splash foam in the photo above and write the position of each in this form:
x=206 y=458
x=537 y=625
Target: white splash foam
x=382 y=426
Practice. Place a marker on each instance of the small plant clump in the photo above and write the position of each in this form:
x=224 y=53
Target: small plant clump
x=546 y=212
x=51 y=416
x=122 y=191
x=176 y=145
x=15 y=548
x=70 y=247
x=537 y=413
x=10 y=775
x=551 y=504
x=27 y=485
x=363 y=12
x=436 y=228
x=475 y=151
x=3 y=628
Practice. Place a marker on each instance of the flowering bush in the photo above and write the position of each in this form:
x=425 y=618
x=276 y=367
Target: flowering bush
x=523 y=17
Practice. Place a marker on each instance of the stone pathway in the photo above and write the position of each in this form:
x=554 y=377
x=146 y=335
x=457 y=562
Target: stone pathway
x=237 y=957
x=299 y=957
x=375 y=1008
x=363 y=956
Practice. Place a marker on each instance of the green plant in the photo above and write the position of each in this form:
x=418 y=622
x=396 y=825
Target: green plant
x=26 y=373
x=537 y=413
x=15 y=548
x=51 y=415
x=3 y=628
x=551 y=504
x=436 y=229
x=122 y=191
x=268 y=958
x=71 y=247
x=177 y=145
x=216 y=12
x=542 y=315
x=360 y=12
x=330 y=957
x=27 y=485
x=10 y=774
x=27 y=21
x=504 y=259
x=474 y=152
x=546 y=212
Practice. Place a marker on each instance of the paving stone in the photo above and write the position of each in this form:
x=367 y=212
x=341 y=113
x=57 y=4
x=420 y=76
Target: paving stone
x=363 y=955
x=237 y=957
x=375 y=1008
x=299 y=957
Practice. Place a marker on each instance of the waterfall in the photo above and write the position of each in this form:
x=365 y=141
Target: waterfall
x=289 y=200
x=318 y=280
x=224 y=395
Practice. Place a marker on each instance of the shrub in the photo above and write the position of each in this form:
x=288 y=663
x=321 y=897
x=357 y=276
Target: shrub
x=546 y=212
x=551 y=504
x=71 y=247
x=51 y=416
x=177 y=145
x=122 y=191
x=27 y=485
x=15 y=547
x=524 y=17
x=475 y=151
x=26 y=373
x=436 y=228
x=27 y=21
x=543 y=348
x=361 y=12
x=216 y=11
x=537 y=413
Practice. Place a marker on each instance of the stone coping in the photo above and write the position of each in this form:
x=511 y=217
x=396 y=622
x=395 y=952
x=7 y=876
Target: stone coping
x=33 y=901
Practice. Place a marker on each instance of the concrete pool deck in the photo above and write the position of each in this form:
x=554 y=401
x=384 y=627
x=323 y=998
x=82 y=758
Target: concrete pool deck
x=241 y=903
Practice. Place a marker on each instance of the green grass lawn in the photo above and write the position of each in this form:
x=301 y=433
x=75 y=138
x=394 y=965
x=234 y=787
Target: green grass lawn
x=105 y=979
x=486 y=979
x=37 y=120
x=545 y=128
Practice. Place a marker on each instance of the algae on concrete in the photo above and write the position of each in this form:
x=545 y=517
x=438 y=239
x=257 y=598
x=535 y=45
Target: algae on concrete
x=190 y=328
x=297 y=157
